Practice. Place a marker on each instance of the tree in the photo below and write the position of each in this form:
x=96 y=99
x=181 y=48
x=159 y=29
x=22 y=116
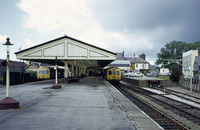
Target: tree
x=172 y=65
x=175 y=73
x=174 y=50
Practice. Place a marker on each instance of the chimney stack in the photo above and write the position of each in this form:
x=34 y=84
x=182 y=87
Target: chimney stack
x=143 y=56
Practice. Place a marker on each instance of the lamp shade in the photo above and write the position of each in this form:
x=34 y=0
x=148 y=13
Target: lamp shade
x=8 y=42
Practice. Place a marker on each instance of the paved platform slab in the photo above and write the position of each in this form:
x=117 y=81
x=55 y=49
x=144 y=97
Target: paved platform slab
x=90 y=104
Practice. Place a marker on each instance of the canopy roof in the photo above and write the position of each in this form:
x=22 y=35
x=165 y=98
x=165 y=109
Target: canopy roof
x=67 y=49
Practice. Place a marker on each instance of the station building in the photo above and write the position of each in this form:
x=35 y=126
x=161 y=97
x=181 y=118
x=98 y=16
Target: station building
x=139 y=64
x=188 y=59
x=32 y=67
x=121 y=63
x=131 y=64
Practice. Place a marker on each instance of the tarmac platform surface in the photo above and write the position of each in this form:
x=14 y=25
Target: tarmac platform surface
x=91 y=104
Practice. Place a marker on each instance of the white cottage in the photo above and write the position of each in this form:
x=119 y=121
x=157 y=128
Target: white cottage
x=164 y=71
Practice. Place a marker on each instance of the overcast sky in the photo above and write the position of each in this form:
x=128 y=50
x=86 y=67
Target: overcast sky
x=132 y=26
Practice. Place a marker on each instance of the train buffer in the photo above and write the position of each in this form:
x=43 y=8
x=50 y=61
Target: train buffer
x=153 y=83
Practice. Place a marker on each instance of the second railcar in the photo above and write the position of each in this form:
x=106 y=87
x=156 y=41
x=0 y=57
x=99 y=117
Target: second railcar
x=49 y=73
x=43 y=73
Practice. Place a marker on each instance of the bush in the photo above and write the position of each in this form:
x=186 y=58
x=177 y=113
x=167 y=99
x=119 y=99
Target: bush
x=175 y=73
x=33 y=76
x=1 y=80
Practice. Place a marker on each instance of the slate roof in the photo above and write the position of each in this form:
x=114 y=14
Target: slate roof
x=135 y=60
x=1 y=61
x=121 y=63
x=15 y=63
x=120 y=55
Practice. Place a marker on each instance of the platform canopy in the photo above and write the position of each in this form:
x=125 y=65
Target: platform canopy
x=67 y=49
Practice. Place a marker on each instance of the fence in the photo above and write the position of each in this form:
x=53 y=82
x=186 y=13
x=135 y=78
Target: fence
x=186 y=83
x=17 y=78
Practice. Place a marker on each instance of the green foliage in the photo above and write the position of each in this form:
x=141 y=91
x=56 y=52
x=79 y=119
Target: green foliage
x=174 y=50
x=1 y=80
x=175 y=73
x=33 y=76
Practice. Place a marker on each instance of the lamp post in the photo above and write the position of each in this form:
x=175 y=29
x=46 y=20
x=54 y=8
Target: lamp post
x=8 y=102
x=8 y=44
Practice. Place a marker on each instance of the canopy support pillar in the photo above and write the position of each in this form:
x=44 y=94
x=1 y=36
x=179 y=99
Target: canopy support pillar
x=66 y=75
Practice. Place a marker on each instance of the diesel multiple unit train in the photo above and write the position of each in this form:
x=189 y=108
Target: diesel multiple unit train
x=48 y=73
x=113 y=75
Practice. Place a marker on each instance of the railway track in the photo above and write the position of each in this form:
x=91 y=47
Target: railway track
x=185 y=96
x=188 y=112
x=161 y=118
x=184 y=104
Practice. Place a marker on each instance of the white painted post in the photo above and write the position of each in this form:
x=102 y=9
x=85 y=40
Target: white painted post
x=56 y=74
x=191 y=74
x=56 y=85
x=66 y=72
x=7 y=78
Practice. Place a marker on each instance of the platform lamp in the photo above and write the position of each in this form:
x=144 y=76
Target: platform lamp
x=8 y=102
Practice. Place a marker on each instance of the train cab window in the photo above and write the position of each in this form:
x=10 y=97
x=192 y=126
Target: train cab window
x=114 y=72
x=110 y=72
x=47 y=72
x=118 y=73
x=39 y=72
x=43 y=71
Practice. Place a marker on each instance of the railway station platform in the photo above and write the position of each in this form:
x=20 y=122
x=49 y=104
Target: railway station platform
x=90 y=104
x=146 y=81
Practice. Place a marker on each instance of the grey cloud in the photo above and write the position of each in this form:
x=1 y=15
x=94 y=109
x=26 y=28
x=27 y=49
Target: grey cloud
x=160 y=21
x=146 y=16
